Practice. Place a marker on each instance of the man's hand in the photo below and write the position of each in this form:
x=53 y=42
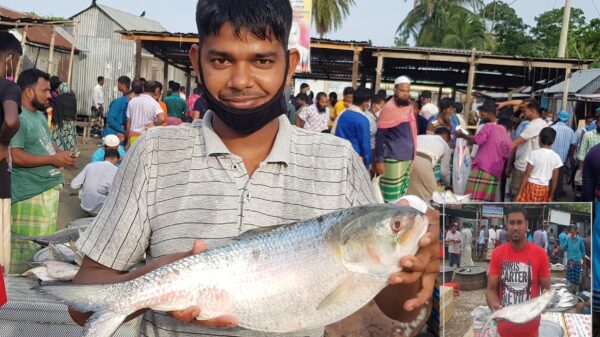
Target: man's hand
x=3 y=152
x=424 y=266
x=380 y=168
x=189 y=315
x=63 y=158
x=459 y=133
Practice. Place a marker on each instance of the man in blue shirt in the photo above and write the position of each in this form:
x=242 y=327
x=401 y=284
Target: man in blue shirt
x=116 y=119
x=563 y=146
x=110 y=142
x=575 y=249
x=353 y=125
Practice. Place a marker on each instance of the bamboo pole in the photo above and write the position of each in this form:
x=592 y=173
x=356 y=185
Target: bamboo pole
x=51 y=51
x=71 y=57
x=20 y=64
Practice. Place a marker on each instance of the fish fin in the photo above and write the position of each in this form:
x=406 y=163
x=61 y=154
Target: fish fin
x=341 y=294
x=256 y=231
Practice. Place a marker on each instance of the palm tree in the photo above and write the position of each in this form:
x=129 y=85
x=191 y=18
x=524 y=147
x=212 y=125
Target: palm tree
x=427 y=21
x=328 y=15
x=465 y=31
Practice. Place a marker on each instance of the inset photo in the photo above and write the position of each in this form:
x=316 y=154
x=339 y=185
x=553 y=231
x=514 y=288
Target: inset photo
x=517 y=270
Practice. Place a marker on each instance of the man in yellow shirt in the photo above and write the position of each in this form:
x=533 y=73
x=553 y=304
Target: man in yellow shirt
x=341 y=105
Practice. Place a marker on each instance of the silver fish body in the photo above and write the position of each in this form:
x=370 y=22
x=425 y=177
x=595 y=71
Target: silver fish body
x=526 y=311
x=296 y=277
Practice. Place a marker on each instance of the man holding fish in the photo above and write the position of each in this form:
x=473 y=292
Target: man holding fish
x=243 y=167
x=519 y=272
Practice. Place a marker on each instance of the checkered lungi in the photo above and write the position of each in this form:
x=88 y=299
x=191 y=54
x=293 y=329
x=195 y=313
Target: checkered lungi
x=534 y=193
x=481 y=185
x=394 y=182
x=574 y=272
x=36 y=216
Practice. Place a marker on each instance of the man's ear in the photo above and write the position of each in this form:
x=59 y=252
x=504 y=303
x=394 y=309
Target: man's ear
x=194 y=54
x=294 y=59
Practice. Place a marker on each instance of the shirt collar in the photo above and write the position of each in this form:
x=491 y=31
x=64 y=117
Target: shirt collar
x=280 y=153
x=355 y=108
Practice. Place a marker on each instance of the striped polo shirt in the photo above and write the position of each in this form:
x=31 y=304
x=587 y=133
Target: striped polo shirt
x=178 y=184
x=563 y=141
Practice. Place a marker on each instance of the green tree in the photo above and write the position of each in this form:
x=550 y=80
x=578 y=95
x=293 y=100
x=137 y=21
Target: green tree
x=547 y=31
x=328 y=15
x=428 y=20
x=510 y=32
x=465 y=30
x=401 y=40
x=586 y=42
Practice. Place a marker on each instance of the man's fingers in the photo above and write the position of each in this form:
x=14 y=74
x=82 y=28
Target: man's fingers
x=404 y=277
x=199 y=247
x=416 y=263
x=186 y=315
x=221 y=321
x=424 y=295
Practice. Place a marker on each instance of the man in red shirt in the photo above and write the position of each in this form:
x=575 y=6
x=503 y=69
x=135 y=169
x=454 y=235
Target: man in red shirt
x=519 y=271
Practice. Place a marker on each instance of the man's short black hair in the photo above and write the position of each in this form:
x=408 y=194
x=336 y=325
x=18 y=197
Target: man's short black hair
x=319 y=95
x=547 y=136
x=137 y=86
x=333 y=95
x=362 y=95
x=348 y=91
x=532 y=104
x=505 y=122
x=376 y=99
x=100 y=79
x=440 y=131
x=159 y=85
x=459 y=107
x=488 y=106
x=517 y=209
x=426 y=94
x=302 y=97
x=54 y=83
x=111 y=153
x=445 y=103
x=29 y=78
x=9 y=43
x=175 y=87
x=382 y=93
x=126 y=81
x=304 y=86
x=265 y=19
x=150 y=86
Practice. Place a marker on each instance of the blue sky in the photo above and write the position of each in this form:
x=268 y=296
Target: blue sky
x=374 y=20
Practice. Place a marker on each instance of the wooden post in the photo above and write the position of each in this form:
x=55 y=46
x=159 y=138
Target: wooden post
x=379 y=72
x=188 y=81
x=51 y=51
x=138 y=59
x=20 y=64
x=470 y=84
x=565 y=97
x=165 y=78
x=355 y=64
x=70 y=76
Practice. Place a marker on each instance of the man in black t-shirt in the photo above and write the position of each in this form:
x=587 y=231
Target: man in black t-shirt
x=10 y=102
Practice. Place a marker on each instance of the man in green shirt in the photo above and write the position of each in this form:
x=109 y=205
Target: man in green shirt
x=176 y=106
x=36 y=175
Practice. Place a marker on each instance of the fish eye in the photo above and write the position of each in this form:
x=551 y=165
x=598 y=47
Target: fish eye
x=396 y=225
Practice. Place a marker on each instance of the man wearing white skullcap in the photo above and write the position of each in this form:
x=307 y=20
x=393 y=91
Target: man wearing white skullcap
x=395 y=142
x=110 y=142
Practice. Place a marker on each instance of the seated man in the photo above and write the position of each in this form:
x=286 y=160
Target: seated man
x=95 y=181
x=110 y=142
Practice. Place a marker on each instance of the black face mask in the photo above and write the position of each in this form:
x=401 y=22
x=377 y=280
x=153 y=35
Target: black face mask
x=401 y=102
x=248 y=121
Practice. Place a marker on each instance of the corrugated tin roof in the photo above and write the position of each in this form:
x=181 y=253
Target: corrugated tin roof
x=130 y=21
x=578 y=81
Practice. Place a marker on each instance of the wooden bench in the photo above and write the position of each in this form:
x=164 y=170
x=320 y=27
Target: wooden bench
x=87 y=128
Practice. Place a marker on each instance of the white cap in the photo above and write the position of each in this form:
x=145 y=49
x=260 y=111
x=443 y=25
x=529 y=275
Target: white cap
x=415 y=202
x=111 y=141
x=402 y=80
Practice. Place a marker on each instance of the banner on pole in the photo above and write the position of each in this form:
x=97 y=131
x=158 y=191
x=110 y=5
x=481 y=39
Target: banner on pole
x=300 y=33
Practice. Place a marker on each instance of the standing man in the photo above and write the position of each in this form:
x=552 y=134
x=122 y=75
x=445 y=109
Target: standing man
x=305 y=89
x=372 y=115
x=454 y=240
x=539 y=238
x=503 y=235
x=575 y=249
x=36 y=175
x=116 y=119
x=431 y=150
x=481 y=243
x=340 y=106
x=176 y=106
x=315 y=117
x=353 y=125
x=494 y=146
x=591 y=175
x=525 y=144
x=564 y=145
x=588 y=141
x=98 y=101
x=243 y=159
x=10 y=103
x=395 y=142
x=491 y=242
x=519 y=271
x=144 y=112
x=466 y=258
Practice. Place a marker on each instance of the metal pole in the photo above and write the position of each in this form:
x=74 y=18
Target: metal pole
x=69 y=77
x=564 y=33
x=20 y=64
x=51 y=51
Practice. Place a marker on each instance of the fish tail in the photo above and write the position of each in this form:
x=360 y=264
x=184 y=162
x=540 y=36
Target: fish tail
x=89 y=298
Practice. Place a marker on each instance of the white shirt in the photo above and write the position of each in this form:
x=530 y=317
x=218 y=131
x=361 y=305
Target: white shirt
x=544 y=161
x=95 y=181
x=372 y=125
x=492 y=235
x=531 y=135
x=98 y=96
x=454 y=247
x=436 y=147
x=313 y=119
x=182 y=95
x=428 y=110
x=142 y=110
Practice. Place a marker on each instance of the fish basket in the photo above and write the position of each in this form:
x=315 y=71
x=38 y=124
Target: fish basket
x=470 y=278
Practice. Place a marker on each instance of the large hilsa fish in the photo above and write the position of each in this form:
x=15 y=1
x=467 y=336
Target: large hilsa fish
x=293 y=277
